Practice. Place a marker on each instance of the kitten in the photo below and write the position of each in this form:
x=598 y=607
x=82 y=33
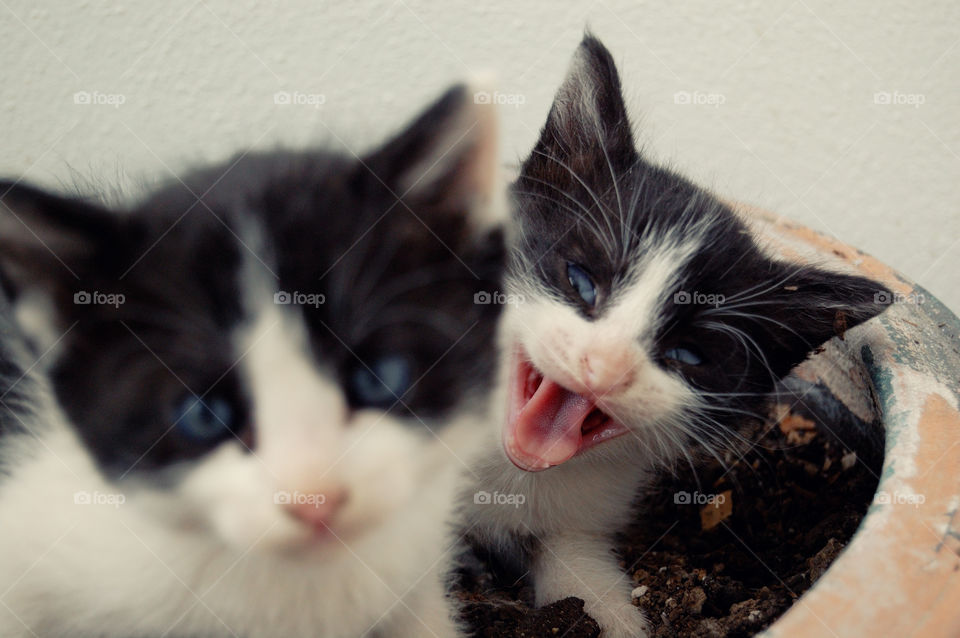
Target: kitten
x=647 y=323
x=253 y=388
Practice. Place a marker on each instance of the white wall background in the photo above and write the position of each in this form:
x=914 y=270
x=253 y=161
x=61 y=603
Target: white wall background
x=799 y=130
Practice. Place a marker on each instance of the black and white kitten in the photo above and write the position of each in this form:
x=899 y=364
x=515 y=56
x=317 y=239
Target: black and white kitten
x=253 y=386
x=647 y=323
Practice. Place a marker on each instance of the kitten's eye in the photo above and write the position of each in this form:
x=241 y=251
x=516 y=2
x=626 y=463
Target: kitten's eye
x=386 y=380
x=205 y=419
x=582 y=283
x=687 y=355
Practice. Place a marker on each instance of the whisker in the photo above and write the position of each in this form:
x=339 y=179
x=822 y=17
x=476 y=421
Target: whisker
x=600 y=207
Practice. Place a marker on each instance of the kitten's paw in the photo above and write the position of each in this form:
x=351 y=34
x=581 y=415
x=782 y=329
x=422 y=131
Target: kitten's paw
x=625 y=621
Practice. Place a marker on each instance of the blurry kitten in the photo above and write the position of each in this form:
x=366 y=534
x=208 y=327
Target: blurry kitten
x=254 y=385
x=618 y=357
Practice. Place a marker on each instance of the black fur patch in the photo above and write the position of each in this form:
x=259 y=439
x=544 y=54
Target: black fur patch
x=481 y=566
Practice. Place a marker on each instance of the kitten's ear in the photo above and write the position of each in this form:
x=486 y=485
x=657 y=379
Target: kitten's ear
x=587 y=125
x=806 y=309
x=445 y=162
x=49 y=244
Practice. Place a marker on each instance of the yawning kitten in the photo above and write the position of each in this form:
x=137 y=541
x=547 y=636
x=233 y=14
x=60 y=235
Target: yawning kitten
x=647 y=324
x=252 y=386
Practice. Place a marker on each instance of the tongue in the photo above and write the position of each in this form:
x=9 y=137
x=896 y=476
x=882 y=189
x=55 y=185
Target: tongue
x=546 y=431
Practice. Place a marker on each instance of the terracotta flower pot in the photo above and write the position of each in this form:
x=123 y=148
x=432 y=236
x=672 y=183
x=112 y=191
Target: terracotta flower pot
x=900 y=573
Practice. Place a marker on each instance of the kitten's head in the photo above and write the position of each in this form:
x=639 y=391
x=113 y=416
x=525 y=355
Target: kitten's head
x=645 y=308
x=264 y=350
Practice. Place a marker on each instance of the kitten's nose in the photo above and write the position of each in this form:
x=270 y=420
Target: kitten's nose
x=316 y=509
x=609 y=371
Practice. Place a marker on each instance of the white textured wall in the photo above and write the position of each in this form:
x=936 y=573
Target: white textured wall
x=798 y=130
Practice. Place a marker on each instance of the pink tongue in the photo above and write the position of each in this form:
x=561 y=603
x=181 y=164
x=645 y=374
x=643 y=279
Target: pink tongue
x=547 y=430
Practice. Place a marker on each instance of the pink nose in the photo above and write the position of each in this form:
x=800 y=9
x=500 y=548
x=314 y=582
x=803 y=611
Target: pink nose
x=316 y=509
x=608 y=371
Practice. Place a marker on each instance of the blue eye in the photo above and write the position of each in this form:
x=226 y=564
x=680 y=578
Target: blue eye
x=582 y=283
x=686 y=355
x=386 y=381
x=204 y=419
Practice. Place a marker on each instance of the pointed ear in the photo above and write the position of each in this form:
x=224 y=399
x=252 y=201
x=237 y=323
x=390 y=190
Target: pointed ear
x=49 y=243
x=809 y=307
x=445 y=162
x=587 y=125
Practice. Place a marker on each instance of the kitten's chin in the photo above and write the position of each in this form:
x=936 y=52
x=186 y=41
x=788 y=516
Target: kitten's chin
x=548 y=424
x=316 y=544
x=300 y=542
x=275 y=533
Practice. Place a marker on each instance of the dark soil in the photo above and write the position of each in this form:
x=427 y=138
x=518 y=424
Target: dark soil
x=790 y=506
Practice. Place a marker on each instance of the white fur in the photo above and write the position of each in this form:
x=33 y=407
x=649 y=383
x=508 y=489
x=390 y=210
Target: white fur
x=34 y=312
x=559 y=340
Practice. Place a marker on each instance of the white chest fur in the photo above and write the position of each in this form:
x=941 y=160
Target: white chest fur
x=80 y=558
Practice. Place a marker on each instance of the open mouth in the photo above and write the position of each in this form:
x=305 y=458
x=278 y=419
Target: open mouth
x=548 y=424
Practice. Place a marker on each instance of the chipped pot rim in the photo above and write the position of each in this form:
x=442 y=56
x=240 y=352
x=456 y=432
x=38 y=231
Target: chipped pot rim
x=900 y=573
